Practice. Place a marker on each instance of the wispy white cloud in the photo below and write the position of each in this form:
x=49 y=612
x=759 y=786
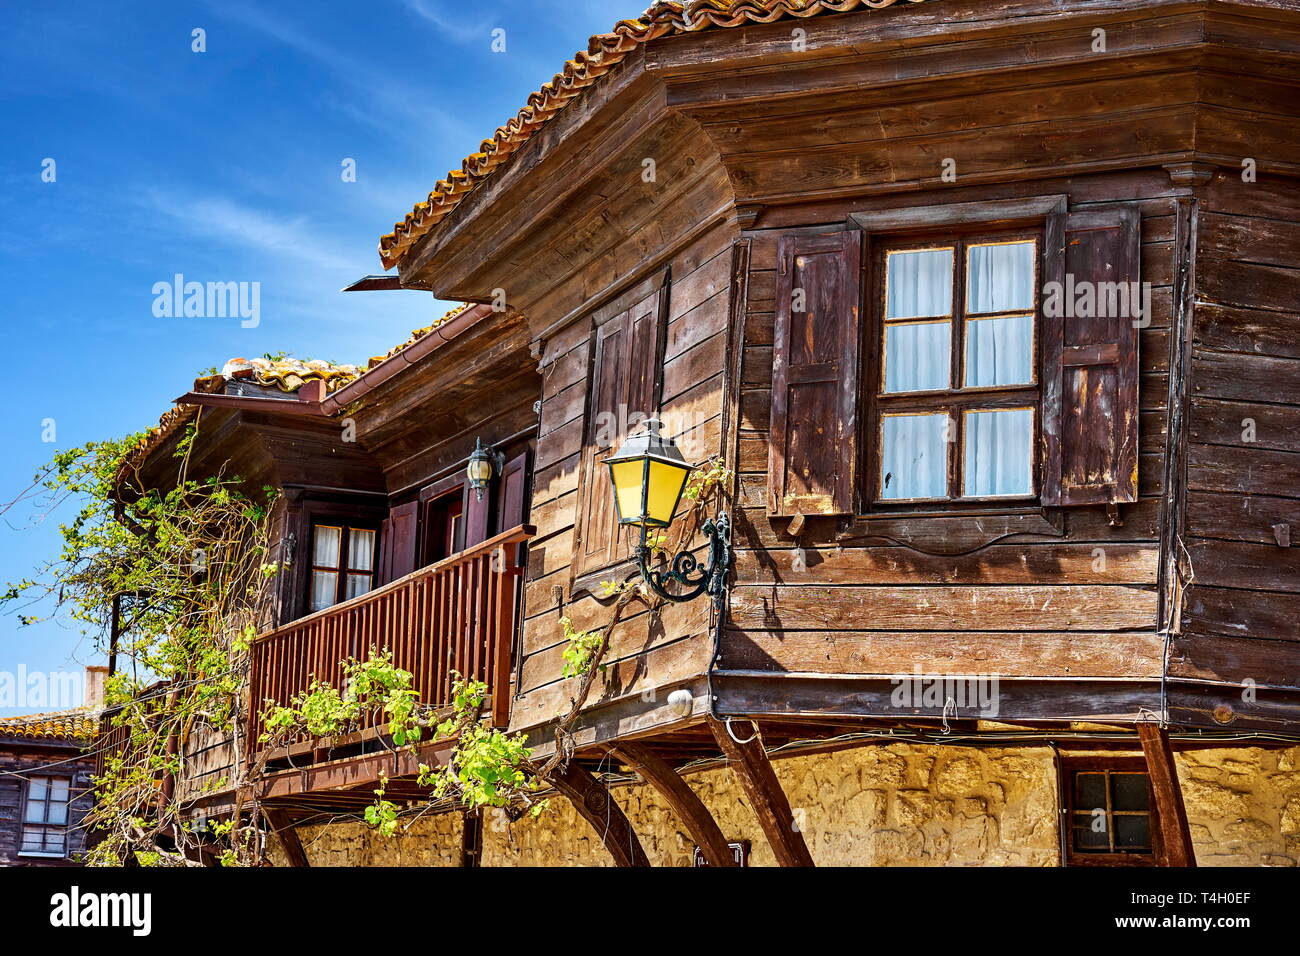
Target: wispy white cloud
x=222 y=219
x=452 y=25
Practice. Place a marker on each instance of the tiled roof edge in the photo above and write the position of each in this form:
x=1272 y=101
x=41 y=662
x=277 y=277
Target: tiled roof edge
x=604 y=52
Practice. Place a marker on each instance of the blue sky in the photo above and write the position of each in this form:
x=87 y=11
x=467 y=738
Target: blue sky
x=223 y=166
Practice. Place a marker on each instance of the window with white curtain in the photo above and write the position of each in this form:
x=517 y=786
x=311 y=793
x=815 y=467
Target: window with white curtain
x=342 y=564
x=957 y=394
x=45 y=816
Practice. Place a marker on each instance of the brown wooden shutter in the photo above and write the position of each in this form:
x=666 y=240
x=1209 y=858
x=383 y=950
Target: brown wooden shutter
x=402 y=533
x=625 y=388
x=512 y=503
x=385 y=551
x=1090 y=387
x=813 y=446
x=477 y=511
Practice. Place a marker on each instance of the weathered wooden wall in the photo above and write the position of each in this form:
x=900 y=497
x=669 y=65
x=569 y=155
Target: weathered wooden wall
x=649 y=651
x=1239 y=565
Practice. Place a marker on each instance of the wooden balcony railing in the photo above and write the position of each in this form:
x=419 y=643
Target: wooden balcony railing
x=456 y=615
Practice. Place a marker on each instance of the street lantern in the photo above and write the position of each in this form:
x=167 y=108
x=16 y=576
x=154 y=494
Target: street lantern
x=648 y=475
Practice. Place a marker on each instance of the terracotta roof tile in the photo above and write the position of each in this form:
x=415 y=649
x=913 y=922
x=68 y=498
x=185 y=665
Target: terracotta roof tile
x=78 y=724
x=604 y=52
x=288 y=375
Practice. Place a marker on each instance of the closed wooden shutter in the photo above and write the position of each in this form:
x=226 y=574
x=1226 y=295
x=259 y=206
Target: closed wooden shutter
x=402 y=533
x=511 y=493
x=813 y=447
x=624 y=390
x=1091 y=303
x=478 y=512
x=385 y=551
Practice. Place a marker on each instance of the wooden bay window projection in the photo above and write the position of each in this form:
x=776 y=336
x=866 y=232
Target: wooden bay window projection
x=342 y=564
x=957 y=391
x=45 y=816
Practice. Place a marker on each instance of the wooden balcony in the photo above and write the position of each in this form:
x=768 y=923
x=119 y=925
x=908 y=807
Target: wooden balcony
x=454 y=616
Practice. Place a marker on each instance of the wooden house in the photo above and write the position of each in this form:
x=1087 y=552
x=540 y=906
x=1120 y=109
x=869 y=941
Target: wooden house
x=46 y=782
x=990 y=308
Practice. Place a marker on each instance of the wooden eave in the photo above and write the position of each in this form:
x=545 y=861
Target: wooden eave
x=900 y=54
x=554 y=166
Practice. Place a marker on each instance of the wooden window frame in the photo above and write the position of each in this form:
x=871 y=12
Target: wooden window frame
x=345 y=526
x=23 y=825
x=1072 y=765
x=958 y=226
x=454 y=490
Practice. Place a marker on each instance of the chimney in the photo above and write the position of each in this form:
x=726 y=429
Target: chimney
x=96 y=674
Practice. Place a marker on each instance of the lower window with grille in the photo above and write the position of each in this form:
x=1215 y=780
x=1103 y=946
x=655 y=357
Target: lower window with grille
x=1110 y=814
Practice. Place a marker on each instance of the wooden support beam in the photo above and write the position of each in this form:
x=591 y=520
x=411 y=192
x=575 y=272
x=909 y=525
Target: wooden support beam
x=750 y=764
x=286 y=830
x=1175 y=835
x=695 y=816
x=594 y=804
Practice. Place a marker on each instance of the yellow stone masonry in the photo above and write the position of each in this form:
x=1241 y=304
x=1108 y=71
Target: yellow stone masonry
x=880 y=805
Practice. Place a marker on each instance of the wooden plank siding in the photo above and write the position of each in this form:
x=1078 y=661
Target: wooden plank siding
x=1058 y=595
x=1238 y=623
x=648 y=650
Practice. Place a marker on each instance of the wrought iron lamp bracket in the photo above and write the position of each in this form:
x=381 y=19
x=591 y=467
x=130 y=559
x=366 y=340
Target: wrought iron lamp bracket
x=684 y=568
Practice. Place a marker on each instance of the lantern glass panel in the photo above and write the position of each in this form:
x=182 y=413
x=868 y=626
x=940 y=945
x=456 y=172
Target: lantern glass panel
x=666 y=484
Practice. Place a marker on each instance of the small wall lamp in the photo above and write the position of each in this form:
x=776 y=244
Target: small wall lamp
x=482 y=463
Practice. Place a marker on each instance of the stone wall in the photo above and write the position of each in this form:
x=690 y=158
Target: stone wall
x=1243 y=805
x=429 y=840
x=882 y=805
x=894 y=805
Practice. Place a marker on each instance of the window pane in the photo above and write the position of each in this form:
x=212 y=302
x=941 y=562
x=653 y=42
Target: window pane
x=36 y=789
x=1132 y=832
x=1089 y=790
x=361 y=549
x=33 y=840
x=916 y=356
x=324 y=588
x=1088 y=840
x=326 y=553
x=1000 y=351
x=59 y=787
x=358 y=584
x=1000 y=278
x=999 y=449
x=913 y=459
x=35 y=811
x=58 y=813
x=1129 y=791
x=918 y=283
